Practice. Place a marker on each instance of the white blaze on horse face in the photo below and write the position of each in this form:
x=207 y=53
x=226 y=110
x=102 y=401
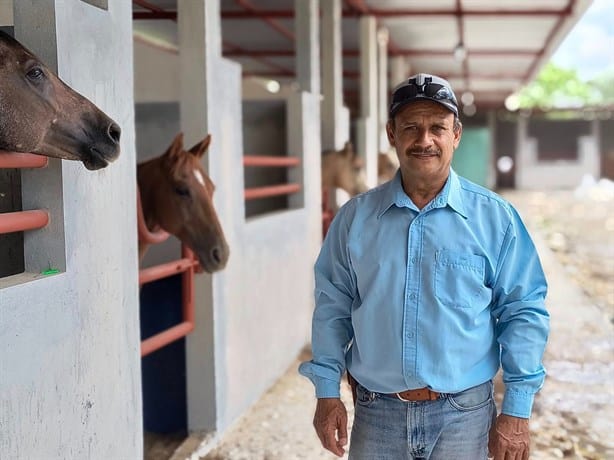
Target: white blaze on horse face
x=199 y=177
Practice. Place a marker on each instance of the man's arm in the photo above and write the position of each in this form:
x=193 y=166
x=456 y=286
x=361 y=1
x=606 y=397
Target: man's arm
x=522 y=331
x=332 y=332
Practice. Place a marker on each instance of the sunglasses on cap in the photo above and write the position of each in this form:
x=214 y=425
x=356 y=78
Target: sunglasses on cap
x=412 y=91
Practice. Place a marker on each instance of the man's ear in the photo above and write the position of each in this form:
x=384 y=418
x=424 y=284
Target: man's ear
x=390 y=132
x=457 y=136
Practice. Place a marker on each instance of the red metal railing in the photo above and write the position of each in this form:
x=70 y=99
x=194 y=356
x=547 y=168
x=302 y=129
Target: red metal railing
x=187 y=266
x=22 y=220
x=22 y=160
x=271 y=190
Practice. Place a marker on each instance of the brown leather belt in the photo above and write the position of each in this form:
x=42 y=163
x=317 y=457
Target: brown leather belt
x=419 y=394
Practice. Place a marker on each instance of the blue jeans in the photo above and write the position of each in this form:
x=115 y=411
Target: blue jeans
x=453 y=427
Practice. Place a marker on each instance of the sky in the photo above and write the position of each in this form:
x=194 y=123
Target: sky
x=589 y=46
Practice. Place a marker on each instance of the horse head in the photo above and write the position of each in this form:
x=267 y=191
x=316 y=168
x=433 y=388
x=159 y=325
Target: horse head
x=177 y=195
x=387 y=166
x=40 y=114
x=344 y=169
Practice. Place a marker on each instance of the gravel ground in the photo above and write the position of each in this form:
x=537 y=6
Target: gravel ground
x=574 y=413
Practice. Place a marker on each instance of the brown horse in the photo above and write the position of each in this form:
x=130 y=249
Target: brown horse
x=343 y=169
x=40 y=114
x=387 y=165
x=177 y=196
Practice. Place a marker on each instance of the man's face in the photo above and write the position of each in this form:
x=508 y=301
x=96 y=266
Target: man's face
x=425 y=140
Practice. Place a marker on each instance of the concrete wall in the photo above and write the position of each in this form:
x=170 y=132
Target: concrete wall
x=69 y=343
x=535 y=172
x=252 y=318
x=556 y=174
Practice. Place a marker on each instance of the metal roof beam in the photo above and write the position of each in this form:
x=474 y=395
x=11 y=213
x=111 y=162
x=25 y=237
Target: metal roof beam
x=245 y=4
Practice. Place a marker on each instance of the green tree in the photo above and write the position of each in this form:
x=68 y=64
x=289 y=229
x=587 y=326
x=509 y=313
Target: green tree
x=558 y=87
x=604 y=84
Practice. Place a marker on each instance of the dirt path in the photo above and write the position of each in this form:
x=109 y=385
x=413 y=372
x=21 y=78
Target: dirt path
x=574 y=412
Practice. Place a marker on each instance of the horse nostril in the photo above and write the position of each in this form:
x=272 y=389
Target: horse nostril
x=114 y=132
x=216 y=255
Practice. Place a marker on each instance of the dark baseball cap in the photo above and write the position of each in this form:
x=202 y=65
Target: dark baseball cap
x=423 y=87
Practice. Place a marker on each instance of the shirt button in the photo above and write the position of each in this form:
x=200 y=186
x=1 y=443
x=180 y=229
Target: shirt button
x=413 y=260
x=412 y=296
x=410 y=335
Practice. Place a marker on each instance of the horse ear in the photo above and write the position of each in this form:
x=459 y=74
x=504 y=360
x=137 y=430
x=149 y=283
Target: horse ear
x=176 y=146
x=199 y=149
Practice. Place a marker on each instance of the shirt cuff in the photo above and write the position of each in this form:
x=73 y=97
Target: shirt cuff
x=326 y=388
x=517 y=404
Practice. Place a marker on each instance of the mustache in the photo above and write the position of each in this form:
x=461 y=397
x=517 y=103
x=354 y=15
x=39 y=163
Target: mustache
x=421 y=151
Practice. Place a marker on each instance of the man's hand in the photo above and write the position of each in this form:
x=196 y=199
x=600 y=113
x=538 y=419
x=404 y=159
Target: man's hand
x=331 y=424
x=509 y=438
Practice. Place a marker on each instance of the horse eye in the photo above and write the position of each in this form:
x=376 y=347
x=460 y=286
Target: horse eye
x=35 y=74
x=182 y=191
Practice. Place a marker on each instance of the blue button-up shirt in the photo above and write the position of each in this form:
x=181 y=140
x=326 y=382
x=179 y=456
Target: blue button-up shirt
x=438 y=297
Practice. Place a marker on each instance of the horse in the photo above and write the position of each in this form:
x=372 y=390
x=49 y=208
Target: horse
x=387 y=165
x=343 y=169
x=40 y=114
x=176 y=195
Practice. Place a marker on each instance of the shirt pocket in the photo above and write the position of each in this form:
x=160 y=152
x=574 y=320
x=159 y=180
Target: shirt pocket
x=459 y=280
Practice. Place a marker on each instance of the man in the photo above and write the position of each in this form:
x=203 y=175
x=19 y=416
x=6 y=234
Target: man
x=425 y=285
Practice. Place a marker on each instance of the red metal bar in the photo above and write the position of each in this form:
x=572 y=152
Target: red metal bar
x=157 y=272
x=380 y=13
x=230 y=47
x=182 y=329
x=23 y=220
x=272 y=190
x=22 y=160
x=163 y=338
x=238 y=52
x=271 y=22
x=253 y=160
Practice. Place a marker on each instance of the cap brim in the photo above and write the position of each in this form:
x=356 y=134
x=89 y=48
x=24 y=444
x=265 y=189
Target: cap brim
x=447 y=104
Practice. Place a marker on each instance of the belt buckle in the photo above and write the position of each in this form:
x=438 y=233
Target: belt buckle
x=398 y=395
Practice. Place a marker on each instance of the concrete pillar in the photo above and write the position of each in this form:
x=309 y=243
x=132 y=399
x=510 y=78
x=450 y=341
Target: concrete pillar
x=366 y=129
x=307 y=50
x=6 y=13
x=334 y=131
x=199 y=29
x=382 y=88
x=70 y=382
x=524 y=154
x=399 y=70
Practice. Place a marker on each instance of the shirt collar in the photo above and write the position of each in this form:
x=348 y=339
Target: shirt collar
x=450 y=195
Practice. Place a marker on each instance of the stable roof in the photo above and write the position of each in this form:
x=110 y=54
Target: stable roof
x=489 y=48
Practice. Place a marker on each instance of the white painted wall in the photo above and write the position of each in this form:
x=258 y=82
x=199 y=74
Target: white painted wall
x=253 y=318
x=532 y=173
x=6 y=12
x=156 y=74
x=69 y=343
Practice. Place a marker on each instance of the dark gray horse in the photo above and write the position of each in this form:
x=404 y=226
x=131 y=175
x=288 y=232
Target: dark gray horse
x=40 y=114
